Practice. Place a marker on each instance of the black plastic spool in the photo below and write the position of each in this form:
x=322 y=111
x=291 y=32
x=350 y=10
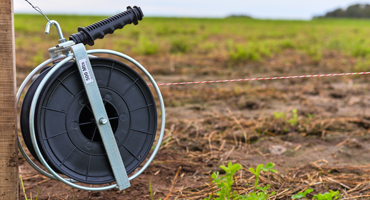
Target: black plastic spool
x=65 y=127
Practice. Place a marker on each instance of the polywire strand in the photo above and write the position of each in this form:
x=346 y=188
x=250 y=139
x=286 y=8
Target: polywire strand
x=262 y=79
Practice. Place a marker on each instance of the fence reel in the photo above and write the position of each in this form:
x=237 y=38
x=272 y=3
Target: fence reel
x=92 y=119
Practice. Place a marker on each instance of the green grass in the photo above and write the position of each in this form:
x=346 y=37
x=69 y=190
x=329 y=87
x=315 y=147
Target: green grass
x=240 y=39
x=24 y=191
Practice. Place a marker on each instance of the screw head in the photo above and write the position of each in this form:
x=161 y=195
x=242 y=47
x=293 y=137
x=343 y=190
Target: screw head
x=103 y=121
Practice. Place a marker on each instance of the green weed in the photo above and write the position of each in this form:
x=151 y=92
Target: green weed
x=163 y=142
x=302 y=194
x=310 y=116
x=225 y=183
x=328 y=196
x=268 y=168
x=150 y=189
x=24 y=190
x=226 y=192
x=331 y=195
x=293 y=121
x=279 y=115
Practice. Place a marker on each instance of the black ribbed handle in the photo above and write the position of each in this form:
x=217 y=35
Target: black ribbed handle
x=87 y=35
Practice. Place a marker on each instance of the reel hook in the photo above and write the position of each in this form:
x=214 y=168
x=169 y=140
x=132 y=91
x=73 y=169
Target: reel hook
x=59 y=30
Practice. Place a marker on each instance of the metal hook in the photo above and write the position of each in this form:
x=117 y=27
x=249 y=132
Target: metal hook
x=59 y=30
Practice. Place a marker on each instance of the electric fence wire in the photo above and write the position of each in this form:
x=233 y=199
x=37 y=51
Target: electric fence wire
x=38 y=9
x=261 y=79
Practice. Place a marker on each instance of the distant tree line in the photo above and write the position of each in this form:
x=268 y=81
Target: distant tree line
x=354 y=11
x=239 y=16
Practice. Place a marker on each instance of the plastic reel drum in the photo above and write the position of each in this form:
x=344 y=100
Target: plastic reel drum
x=65 y=128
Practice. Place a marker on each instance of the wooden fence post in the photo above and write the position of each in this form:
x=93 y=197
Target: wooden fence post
x=9 y=186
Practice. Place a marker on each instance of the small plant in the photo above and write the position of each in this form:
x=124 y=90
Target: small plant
x=302 y=194
x=294 y=120
x=326 y=196
x=279 y=115
x=268 y=168
x=150 y=189
x=225 y=183
x=262 y=194
x=24 y=190
x=310 y=116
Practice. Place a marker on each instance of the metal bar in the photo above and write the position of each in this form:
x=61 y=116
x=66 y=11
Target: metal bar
x=101 y=117
x=160 y=99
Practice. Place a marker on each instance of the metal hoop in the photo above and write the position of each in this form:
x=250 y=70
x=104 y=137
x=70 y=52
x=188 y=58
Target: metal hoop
x=19 y=94
x=53 y=174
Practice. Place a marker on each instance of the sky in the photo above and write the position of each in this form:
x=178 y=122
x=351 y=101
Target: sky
x=263 y=9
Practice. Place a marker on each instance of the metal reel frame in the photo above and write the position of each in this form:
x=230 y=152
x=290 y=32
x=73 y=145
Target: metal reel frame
x=52 y=174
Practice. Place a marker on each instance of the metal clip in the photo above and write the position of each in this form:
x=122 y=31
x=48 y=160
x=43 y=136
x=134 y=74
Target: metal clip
x=61 y=49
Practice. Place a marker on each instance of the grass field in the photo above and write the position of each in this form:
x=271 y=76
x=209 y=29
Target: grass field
x=235 y=39
x=316 y=131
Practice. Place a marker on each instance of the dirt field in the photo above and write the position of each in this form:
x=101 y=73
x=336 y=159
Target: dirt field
x=315 y=130
x=324 y=147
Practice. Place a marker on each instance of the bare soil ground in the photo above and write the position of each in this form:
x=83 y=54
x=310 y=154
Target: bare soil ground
x=325 y=148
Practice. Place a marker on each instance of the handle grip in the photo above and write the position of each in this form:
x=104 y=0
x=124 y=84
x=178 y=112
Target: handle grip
x=98 y=30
